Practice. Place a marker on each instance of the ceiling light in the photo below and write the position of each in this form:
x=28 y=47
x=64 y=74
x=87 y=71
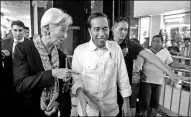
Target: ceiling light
x=3 y=10
x=174 y=16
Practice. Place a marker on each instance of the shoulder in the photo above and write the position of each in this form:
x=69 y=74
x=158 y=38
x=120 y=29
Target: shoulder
x=165 y=53
x=165 y=50
x=112 y=44
x=134 y=43
x=81 y=47
x=25 y=44
x=7 y=40
x=147 y=49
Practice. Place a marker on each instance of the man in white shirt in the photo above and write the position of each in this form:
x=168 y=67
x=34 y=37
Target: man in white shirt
x=102 y=66
x=8 y=47
x=151 y=87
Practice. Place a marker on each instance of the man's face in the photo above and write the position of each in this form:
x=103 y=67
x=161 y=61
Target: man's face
x=187 y=43
x=173 y=43
x=18 y=32
x=156 y=43
x=26 y=35
x=120 y=30
x=99 y=31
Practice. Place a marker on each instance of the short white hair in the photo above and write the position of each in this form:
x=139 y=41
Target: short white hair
x=55 y=16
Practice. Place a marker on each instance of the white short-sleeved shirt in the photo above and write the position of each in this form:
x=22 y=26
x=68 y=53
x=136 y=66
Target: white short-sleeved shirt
x=154 y=74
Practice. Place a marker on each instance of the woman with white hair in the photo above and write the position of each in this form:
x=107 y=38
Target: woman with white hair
x=39 y=68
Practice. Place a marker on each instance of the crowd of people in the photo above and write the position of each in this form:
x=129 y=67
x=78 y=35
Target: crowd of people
x=108 y=73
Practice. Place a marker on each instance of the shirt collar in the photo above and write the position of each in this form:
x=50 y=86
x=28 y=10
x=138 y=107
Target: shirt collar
x=19 y=40
x=92 y=46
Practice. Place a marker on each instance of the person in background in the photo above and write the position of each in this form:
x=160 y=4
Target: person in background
x=26 y=35
x=5 y=96
x=146 y=42
x=131 y=49
x=136 y=78
x=8 y=48
x=151 y=86
x=163 y=33
x=9 y=35
x=185 y=52
x=185 y=48
x=174 y=49
x=39 y=69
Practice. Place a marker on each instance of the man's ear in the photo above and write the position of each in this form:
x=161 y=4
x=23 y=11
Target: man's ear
x=90 y=32
x=112 y=28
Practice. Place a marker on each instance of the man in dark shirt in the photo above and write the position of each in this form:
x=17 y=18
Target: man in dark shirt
x=131 y=49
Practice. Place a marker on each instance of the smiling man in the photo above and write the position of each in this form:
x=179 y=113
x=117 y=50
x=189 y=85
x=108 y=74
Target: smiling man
x=101 y=65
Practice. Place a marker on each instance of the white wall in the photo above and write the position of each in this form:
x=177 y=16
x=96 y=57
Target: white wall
x=145 y=8
x=155 y=25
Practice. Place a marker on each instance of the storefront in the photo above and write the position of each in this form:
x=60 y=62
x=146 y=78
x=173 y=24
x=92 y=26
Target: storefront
x=5 y=24
x=177 y=27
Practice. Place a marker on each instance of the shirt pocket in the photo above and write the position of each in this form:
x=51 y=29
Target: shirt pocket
x=90 y=68
x=90 y=81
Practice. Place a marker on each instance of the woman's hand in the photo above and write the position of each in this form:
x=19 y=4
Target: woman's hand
x=52 y=108
x=63 y=73
x=125 y=51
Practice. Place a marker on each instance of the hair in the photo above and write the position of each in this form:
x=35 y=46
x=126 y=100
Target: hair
x=160 y=32
x=54 y=16
x=159 y=37
x=18 y=23
x=187 y=39
x=136 y=40
x=120 y=19
x=96 y=15
x=26 y=27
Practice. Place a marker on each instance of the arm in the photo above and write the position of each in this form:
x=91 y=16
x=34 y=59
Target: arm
x=123 y=82
x=179 y=66
x=123 y=78
x=23 y=81
x=173 y=64
x=156 y=61
x=77 y=81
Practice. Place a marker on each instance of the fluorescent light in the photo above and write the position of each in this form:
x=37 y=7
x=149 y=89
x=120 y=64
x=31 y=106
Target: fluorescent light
x=3 y=10
x=174 y=16
x=174 y=20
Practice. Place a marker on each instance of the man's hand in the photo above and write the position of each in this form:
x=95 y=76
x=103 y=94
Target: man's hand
x=5 y=53
x=84 y=100
x=51 y=109
x=94 y=100
x=143 y=76
x=186 y=67
x=126 y=111
x=176 y=77
x=125 y=51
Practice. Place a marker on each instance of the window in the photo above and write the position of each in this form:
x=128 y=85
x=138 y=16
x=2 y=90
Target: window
x=96 y=6
x=178 y=26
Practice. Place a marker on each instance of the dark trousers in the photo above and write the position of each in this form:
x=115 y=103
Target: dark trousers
x=149 y=96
